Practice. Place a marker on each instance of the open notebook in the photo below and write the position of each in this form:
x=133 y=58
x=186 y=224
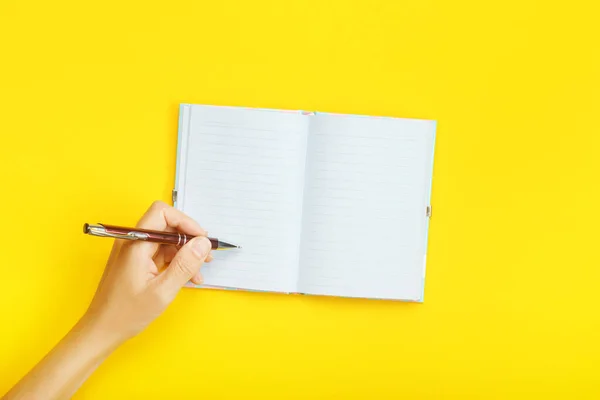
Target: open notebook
x=323 y=204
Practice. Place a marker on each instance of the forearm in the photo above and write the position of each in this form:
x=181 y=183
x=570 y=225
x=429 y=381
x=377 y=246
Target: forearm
x=66 y=367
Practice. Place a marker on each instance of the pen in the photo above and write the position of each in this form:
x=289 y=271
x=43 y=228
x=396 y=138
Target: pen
x=174 y=238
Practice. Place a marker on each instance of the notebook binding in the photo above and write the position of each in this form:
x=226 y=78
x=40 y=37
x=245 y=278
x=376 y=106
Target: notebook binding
x=174 y=195
x=428 y=211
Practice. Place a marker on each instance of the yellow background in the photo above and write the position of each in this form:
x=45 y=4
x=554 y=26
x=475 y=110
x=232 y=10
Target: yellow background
x=89 y=95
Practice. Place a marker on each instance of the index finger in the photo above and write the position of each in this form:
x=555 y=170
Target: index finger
x=161 y=216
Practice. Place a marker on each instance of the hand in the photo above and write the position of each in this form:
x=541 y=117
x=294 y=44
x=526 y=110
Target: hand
x=141 y=278
x=136 y=287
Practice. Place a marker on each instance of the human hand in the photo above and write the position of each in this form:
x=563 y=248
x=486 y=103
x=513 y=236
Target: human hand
x=141 y=278
x=139 y=282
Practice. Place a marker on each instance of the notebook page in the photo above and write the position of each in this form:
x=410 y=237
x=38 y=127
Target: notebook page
x=240 y=175
x=366 y=194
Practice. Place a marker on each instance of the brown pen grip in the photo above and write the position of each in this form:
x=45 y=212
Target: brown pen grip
x=173 y=238
x=214 y=243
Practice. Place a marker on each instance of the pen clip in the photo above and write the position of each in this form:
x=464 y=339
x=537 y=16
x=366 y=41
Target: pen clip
x=99 y=230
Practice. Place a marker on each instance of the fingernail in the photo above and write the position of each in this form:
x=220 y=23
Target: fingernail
x=201 y=247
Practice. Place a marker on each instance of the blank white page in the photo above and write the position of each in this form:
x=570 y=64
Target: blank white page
x=364 y=231
x=240 y=175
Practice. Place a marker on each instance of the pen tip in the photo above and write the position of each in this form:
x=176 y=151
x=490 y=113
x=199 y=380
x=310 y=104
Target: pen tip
x=227 y=245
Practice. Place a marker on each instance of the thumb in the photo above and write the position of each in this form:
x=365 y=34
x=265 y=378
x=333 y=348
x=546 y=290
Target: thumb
x=186 y=263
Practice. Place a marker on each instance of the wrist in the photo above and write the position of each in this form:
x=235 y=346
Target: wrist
x=90 y=332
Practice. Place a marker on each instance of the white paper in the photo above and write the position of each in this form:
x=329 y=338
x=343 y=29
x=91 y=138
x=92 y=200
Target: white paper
x=364 y=213
x=241 y=177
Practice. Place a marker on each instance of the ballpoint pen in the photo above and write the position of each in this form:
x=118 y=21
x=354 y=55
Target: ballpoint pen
x=174 y=238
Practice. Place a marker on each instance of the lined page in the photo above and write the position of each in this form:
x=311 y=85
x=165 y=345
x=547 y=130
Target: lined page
x=241 y=178
x=364 y=223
